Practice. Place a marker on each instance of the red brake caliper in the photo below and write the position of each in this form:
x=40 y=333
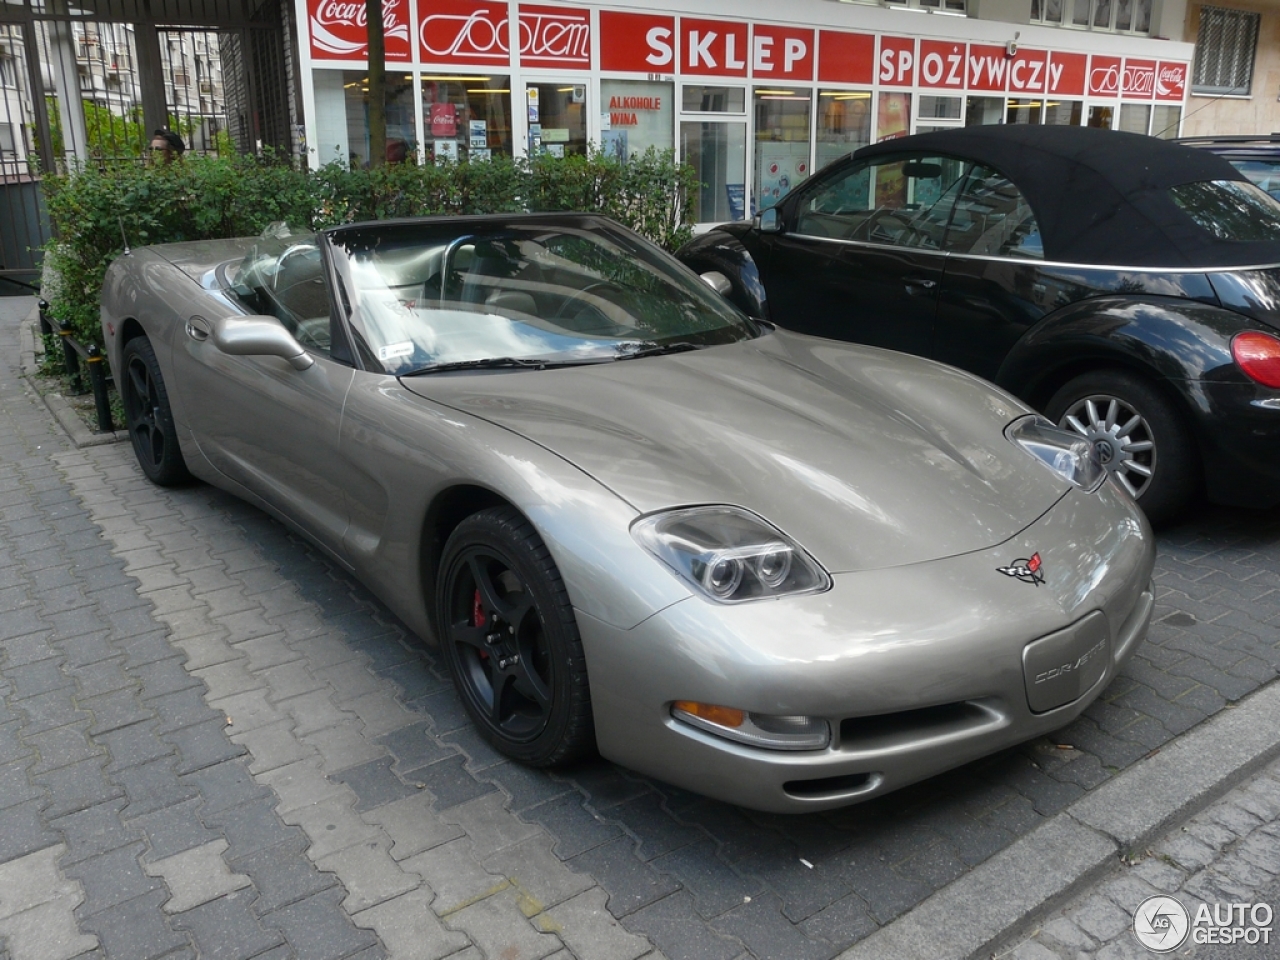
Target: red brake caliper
x=478 y=619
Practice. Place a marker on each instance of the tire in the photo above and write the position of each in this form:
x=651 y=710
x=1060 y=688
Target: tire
x=148 y=416
x=1139 y=435
x=508 y=635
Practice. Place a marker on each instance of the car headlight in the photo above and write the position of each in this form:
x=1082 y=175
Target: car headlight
x=1067 y=454
x=729 y=555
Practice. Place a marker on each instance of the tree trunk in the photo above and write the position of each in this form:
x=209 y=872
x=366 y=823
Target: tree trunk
x=377 y=84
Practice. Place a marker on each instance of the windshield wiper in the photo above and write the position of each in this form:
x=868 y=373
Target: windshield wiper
x=628 y=351
x=492 y=363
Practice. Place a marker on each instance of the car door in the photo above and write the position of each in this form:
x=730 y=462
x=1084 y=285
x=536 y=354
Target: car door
x=860 y=253
x=266 y=425
x=992 y=290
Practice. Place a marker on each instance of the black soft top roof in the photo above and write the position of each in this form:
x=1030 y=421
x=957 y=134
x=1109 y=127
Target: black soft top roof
x=1100 y=196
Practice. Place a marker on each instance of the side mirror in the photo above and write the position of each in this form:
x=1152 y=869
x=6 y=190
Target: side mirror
x=717 y=281
x=769 y=221
x=258 y=337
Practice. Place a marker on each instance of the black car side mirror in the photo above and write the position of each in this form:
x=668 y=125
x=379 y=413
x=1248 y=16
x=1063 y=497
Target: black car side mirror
x=768 y=221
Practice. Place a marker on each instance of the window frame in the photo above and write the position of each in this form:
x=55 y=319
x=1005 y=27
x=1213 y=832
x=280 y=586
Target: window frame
x=1232 y=19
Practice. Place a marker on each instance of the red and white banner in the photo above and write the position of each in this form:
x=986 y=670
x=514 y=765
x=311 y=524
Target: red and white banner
x=339 y=29
x=464 y=32
x=1171 y=81
x=478 y=33
x=637 y=42
x=555 y=37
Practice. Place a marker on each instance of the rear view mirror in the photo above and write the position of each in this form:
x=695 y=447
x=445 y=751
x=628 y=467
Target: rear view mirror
x=717 y=281
x=768 y=221
x=919 y=170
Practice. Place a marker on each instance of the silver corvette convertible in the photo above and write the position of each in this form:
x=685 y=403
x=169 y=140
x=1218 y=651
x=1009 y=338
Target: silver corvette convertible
x=780 y=571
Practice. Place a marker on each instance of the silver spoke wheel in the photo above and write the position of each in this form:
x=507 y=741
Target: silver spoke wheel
x=1121 y=438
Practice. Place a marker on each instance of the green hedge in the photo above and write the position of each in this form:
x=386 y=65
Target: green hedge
x=201 y=198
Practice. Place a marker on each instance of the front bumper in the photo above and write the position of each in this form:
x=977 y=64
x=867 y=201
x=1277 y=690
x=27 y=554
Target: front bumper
x=918 y=669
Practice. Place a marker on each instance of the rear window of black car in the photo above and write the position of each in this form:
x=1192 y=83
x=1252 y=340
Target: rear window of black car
x=1230 y=209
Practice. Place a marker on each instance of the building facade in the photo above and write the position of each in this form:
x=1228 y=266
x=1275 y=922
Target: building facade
x=753 y=102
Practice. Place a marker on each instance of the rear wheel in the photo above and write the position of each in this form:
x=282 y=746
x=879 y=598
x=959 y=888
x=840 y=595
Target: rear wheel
x=148 y=416
x=510 y=639
x=1137 y=434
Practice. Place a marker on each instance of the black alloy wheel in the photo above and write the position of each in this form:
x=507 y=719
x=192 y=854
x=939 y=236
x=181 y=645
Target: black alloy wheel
x=148 y=417
x=511 y=641
x=1137 y=435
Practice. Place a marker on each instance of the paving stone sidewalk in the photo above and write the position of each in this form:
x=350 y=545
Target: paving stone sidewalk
x=213 y=741
x=1228 y=853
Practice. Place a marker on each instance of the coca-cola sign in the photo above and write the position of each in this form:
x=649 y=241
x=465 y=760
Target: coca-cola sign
x=470 y=32
x=340 y=31
x=555 y=37
x=1171 y=81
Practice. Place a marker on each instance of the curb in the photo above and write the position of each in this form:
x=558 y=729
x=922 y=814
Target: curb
x=996 y=901
x=80 y=435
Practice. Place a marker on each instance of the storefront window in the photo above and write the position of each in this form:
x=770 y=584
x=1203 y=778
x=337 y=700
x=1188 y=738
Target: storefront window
x=698 y=98
x=717 y=151
x=636 y=115
x=844 y=123
x=894 y=116
x=1100 y=116
x=1063 y=113
x=782 y=142
x=1135 y=117
x=466 y=117
x=1165 y=121
x=342 y=117
x=1023 y=111
x=981 y=111
x=557 y=118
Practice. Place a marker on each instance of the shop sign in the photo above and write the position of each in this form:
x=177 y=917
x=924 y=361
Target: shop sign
x=555 y=37
x=846 y=57
x=625 y=111
x=1029 y=72
x=942 y=64
x=782 y=53
x=1171 y=81
x=637 y=42
x=988 y=67
x=339 y=29
x=1104 y=76
x=1138 y=81
x=472 y=32
x=713 y=48
x=1067 y=74
x=897 y=62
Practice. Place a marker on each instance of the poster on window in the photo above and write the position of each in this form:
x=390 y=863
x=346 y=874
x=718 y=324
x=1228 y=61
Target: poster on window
x=478 y=134
x=444 y=120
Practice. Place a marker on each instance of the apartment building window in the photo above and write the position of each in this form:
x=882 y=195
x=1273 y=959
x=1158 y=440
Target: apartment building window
x=1112 y=16
x=1225 y=49
x=8 y=75
x=955 y=8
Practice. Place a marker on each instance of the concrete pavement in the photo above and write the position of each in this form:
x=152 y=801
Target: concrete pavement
x=213 y=743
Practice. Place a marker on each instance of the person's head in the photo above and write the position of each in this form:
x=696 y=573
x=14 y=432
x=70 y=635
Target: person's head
x=165 y=145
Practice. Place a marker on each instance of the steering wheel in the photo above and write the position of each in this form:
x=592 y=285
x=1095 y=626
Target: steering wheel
x=577 y=304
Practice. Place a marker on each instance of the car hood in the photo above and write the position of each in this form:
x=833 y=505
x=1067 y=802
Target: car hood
x=867 y=458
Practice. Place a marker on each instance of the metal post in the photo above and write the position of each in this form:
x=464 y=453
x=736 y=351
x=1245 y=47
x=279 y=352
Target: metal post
x=99 y=382
x=46 y=327
x=70 y=361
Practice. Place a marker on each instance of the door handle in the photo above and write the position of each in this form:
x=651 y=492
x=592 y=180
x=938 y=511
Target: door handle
x=921 y=282
x=198 y=328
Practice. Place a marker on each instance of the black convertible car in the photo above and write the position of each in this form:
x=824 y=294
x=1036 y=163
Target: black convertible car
x=1128 y=287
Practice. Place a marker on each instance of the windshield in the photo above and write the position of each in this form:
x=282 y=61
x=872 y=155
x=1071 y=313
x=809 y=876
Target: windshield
x=558 y=291
x=1230 y=209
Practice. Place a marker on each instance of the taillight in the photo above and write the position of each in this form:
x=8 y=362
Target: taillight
x=1258 y=355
